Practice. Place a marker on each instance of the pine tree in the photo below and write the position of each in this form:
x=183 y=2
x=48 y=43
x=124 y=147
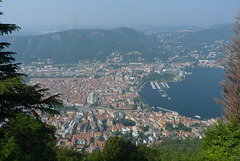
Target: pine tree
x=16 y=96
x=231 y=86
x=23 y=137
x=7 y=68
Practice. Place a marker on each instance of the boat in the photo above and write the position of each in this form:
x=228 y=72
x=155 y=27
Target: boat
x=197 y=116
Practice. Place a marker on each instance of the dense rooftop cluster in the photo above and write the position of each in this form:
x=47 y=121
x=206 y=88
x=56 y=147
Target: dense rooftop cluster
x=88 y=129
x=106 y=103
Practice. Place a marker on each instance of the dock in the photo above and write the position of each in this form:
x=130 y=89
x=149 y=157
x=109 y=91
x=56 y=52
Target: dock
x=153 y=86
x=167 y=86
x=165 y=93
x=162 y=83
x=157 y=85
x=164 y=109
x=161 y=86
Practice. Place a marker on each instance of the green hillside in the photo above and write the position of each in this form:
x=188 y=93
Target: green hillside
x=71 y=46
x=209 y=35
x=74 y=45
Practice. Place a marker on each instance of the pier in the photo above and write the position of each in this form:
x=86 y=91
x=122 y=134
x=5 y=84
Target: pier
x=165 y=93
x=164 y=109
x=163 y=85
x=153 y=86
x=157 y=85
x=167 y=86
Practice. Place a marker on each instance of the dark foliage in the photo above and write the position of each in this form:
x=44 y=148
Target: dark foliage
x=125 y=122
x=16 y=96
x=27 y=138
x=145 y=128
x=222 y=142
x=180 y=126
x=119 y=149
x=66 y=154
x=22 y=135
x=158 y=77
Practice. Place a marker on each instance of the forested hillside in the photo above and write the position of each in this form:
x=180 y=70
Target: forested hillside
x=74 y=45
x=71 y=46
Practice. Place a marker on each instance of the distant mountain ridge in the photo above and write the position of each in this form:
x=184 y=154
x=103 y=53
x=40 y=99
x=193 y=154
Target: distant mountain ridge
x=215 y=33
x=74 y=45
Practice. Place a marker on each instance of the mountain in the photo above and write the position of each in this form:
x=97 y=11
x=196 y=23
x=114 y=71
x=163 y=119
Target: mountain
x=216 y=33
x=214 y=37
x=74 y=45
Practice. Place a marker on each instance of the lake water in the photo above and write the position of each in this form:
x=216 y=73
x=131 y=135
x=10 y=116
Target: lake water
x=193 y=96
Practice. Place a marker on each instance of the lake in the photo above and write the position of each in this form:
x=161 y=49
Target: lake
x=193 y=96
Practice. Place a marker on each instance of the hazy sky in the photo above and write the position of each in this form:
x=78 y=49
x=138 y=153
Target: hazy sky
x=107 y=13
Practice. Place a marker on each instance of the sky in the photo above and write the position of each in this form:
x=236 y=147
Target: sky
x=37 y=14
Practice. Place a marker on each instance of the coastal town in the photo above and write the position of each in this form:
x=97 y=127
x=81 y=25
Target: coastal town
x=101 y=100
x=88 y=129
x=106 y=85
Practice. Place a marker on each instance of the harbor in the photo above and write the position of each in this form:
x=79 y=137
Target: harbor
x=161 y=88
x=185 y=95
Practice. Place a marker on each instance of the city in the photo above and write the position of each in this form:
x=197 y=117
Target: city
x=101 y=100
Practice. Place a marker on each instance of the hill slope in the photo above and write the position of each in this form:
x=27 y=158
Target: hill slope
x=71 y=46
x=74 y=45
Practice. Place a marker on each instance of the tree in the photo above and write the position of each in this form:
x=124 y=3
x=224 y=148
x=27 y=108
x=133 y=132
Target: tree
x=231 y=86
x=22 y=134
x=101 y=138
x=222 y=142
x=66 y=154
x=117 y=148
x=27 y=138
x=95 y=156
x=148 y=154
x=16 y=96
x=7 y=68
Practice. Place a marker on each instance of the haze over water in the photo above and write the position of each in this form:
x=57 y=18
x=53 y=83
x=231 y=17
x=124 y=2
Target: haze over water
x=193 y=96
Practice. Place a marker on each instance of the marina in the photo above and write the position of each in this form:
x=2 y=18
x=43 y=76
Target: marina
x=185 y=94
x=161 y=88
x=156 y=85
x=163 y=91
